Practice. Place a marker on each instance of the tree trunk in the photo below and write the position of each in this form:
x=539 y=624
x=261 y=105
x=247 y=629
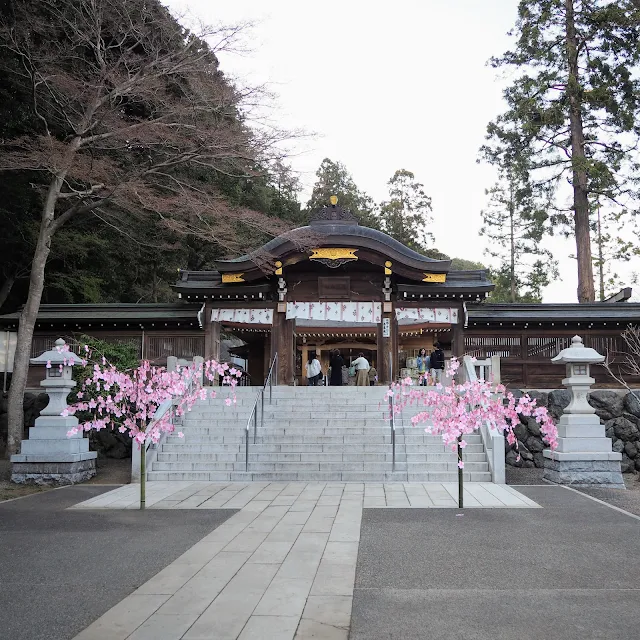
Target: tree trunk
x=5 y=289
x=143 y=475
x=600 y=257
x=586 y=289
x=25 y=336
x=513 y=244
x=460 y=477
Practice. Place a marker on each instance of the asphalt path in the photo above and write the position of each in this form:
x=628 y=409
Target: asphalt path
x=567 y=571
x=61 y=569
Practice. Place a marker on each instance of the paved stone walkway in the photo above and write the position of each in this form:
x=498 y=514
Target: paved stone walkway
x=283 y=567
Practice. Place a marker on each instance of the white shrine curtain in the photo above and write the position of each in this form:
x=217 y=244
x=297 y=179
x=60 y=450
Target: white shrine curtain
x=243 y=316
x=355 y=312
x=449 y=316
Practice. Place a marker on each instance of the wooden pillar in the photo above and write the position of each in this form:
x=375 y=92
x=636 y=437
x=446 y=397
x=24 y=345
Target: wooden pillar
x=395 y=346
x=387 y=349
x=305 y=359
x=457 y=346
x=267 y=355
x=211 y=337
x=282 y=343
x=289 y=352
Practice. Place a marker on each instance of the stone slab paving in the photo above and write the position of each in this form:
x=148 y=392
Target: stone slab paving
x=281 y=568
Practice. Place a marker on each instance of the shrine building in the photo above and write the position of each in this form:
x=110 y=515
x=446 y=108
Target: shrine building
x=337 y=284
x=357 y=290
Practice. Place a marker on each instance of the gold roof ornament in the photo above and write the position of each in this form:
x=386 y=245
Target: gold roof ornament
x=333 y=200
x=229 y=278
x=434 y=277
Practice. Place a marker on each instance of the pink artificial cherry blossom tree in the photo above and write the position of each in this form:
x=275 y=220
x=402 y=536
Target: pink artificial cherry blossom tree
x=461 y=409
x=143 y=402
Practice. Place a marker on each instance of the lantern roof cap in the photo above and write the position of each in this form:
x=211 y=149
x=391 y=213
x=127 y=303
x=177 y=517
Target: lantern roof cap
x=578 y=353
x=60 y=354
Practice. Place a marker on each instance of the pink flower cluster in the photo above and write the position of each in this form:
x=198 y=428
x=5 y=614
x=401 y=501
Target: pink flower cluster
x=129 y=400
x=460 y=409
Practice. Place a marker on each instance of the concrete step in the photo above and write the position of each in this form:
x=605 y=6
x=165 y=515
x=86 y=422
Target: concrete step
x=279 y=447
x=273 y=467
x=449 y=477
x=338 y=434
x=211 y=445
x=291 y=422
x=319 y=476
x=418 y=458
x=235 y=456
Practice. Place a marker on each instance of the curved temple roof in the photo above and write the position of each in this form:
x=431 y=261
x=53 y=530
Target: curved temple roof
x=333 y=228
x=340 y=234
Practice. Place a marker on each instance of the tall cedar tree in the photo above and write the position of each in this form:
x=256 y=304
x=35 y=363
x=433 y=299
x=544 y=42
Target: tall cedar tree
x=133 y=117
x=573 y=106
x=514 y=228
x=333 y=179
x=406 y=216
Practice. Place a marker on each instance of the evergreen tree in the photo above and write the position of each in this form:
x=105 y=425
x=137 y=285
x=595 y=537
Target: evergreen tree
x=407 y=213
x=514 y=228
x=573 y=107
x=333 y=179
x=461 y=264
x=612 y=246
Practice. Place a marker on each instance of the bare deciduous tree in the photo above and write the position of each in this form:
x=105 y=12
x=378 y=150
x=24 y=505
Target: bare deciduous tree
x=134 y=119
x=627 y=365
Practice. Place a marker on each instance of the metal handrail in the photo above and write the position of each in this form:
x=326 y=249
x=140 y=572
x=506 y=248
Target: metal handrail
x=150 y=447
x=392 y=411
x=271 y=376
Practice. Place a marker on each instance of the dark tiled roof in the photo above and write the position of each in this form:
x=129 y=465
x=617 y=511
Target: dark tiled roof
x=574 y=312
x=341 y=233
x=111 y=312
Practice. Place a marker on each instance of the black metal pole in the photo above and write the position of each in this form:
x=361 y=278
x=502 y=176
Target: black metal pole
x=246 y=451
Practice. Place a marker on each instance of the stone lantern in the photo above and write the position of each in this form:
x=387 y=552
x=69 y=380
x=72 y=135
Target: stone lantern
x=584 y=455
x=49 y=456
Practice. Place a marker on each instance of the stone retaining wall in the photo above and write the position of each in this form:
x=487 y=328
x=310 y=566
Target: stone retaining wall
x=619 y=412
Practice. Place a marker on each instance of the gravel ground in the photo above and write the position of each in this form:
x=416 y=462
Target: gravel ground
x=521 y=475
x=628 y=499
x=109 y=471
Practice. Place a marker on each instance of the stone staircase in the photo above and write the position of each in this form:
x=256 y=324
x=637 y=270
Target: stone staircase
x=310 y=433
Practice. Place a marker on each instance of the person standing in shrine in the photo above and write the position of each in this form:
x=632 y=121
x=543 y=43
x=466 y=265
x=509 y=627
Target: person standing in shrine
x=424 y=364
x=336 y=363
x=361 y=365
x=314 y=370
x=437 y=364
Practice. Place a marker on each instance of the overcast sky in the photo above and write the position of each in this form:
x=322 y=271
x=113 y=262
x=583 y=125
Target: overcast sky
x=407 y=87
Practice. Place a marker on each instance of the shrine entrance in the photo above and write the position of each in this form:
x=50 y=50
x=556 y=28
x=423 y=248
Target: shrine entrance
x=323 y=340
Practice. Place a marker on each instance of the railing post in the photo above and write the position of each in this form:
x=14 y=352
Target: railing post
x=262 y=412
x=255 y=422
x=246 y=450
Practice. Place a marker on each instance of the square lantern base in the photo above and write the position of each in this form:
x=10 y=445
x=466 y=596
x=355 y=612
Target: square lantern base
x=53 y=473
x=604 y=472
